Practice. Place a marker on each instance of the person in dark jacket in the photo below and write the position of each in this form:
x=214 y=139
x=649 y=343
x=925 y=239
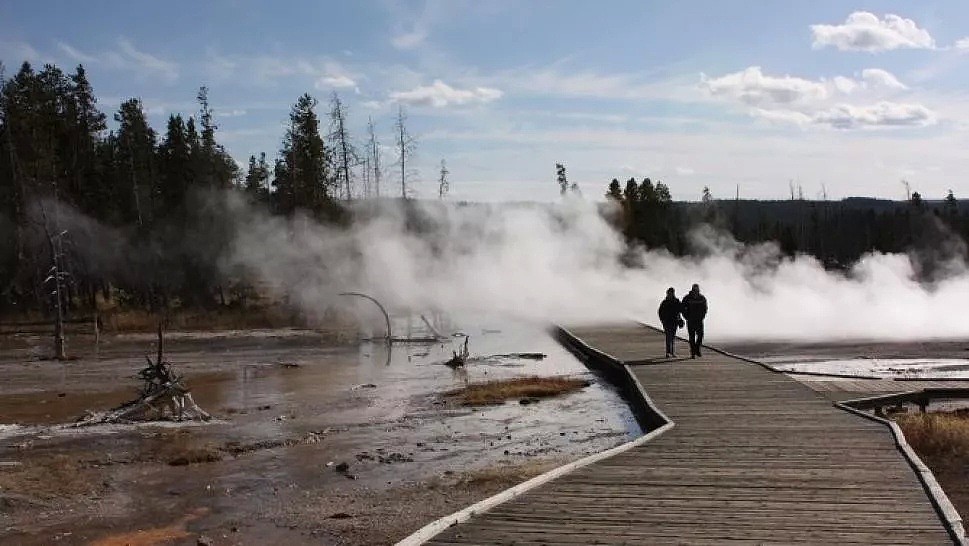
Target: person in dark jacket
x=694 y=311
x=669 y=315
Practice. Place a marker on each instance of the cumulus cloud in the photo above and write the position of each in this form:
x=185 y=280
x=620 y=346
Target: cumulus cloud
x=440 y=95
x=864 y=31
x=799 y=101
x=962 y=44
x=753 y=87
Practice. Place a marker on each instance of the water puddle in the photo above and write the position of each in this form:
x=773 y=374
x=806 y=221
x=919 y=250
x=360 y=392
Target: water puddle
x=293 y=418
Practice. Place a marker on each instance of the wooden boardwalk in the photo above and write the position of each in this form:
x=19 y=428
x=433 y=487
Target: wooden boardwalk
x=753 y=457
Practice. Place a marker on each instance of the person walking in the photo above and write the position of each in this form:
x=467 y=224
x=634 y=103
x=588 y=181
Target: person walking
x=694 y=311
x=669 y=316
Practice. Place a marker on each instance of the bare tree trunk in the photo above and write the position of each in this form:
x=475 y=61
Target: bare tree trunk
x=60 y=348
x=374 y=149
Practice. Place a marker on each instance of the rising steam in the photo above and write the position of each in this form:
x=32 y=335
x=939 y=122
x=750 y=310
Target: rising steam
x=565 y=263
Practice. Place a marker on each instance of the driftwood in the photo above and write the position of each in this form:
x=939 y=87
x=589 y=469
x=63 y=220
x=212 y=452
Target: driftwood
x=163 y=395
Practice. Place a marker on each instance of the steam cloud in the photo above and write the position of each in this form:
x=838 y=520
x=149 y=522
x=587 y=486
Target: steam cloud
x=564 y=263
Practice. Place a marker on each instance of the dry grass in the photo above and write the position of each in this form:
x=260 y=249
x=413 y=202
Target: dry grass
x=937 y=434
x=496 y=392
x=335 y=325
x=137 y=320
x=506 y=475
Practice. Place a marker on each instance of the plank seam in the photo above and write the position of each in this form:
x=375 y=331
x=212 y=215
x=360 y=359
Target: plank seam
x=436 y=527
x=940 y=501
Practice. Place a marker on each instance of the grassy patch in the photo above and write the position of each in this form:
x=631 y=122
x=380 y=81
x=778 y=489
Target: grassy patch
x=937 y=434
x=496 y=392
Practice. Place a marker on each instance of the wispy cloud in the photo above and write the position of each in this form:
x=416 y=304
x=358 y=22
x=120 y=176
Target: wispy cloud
x=125 y=57
x=409 y=39
x=865 y=31
x=18 y=52
x=563 y=81
x=440 y=95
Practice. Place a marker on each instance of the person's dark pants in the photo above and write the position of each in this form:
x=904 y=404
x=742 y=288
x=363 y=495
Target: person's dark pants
x=670 y=331
x=695 y=329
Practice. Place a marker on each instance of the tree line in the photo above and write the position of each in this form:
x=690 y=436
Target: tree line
x=837 y=233
x=129 y=213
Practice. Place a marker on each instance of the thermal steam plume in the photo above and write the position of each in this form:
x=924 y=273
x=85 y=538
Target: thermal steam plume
x=565 y=263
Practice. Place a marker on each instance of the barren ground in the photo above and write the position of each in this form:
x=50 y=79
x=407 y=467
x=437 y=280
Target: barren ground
x=289 y=411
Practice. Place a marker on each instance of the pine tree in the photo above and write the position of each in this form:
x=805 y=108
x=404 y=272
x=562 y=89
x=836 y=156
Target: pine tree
x=443 y=186
x=301 y=174
x=614 y=192
x=176 y=166
x=136 y=143
x=87 y=125
x=257 y=178
x=561 y=178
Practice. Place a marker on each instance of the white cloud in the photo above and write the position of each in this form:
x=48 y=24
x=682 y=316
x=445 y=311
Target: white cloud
x=782 y=116
x=881 y=114
x=17 y=52
x=864 y=31
x=557 y=80
x=145 y=61
x=798 y=101
x=75 y=54
x=440 y=94
x=878 y=78
x=126 y=57
x=962 y=44
x=337 y=81
x=231 y=113
x=753 y=87
x=409 y=40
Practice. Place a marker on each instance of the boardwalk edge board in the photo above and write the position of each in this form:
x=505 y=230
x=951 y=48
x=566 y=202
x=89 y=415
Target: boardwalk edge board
x=591 y=357
x=940 y=500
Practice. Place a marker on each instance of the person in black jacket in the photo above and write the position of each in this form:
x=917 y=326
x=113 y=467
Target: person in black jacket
x=669 y=315
x=694 y=311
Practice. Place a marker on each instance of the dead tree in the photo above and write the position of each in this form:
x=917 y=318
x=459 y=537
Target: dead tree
x=459 y=360
x=163 y=395
x=346 y=155
x=373 y=151
x=406 y=145
x=56 y=277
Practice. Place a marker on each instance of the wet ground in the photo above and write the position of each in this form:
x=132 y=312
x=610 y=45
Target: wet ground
x=936 y=359
x=289 y=414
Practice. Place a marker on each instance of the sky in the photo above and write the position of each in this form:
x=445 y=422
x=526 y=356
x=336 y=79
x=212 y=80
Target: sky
x=841 y=98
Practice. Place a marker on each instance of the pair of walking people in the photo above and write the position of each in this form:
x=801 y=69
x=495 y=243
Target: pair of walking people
x=672 y=313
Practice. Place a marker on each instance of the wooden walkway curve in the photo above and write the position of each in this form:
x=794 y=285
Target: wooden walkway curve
x=753 y=458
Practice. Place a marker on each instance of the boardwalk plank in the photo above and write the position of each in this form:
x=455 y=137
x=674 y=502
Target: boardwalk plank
x=754 y=457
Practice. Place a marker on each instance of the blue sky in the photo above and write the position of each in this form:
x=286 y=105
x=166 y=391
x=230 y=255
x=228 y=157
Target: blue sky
x=728 y=93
